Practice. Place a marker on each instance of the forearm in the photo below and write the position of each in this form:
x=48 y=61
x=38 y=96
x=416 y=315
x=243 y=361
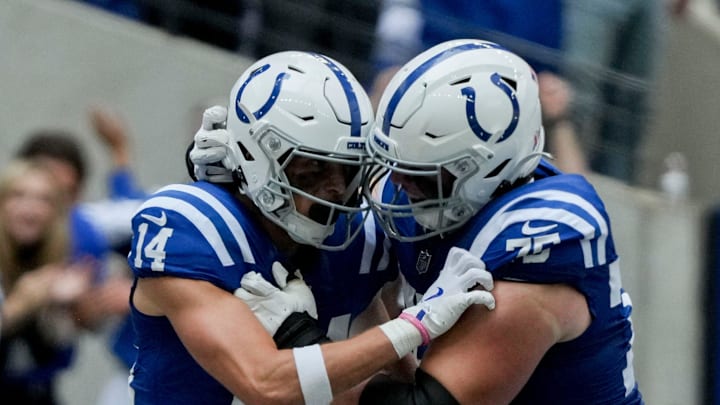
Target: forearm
x=270 y=376
x=332 y=368
x=300 y=330
x=243 y=357
x=352 y=361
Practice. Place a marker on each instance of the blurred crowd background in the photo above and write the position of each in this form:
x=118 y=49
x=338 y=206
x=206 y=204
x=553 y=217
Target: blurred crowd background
x=103 y=96
x=608 y=56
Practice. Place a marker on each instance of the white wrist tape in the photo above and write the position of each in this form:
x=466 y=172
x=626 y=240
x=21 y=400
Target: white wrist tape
x=314 y=381
x=403 y=335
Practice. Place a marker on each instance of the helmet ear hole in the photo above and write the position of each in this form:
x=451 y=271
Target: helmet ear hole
x=497 y=169
x=295 y=68
x=510 y=82
x=463 y=80
x=246 y=153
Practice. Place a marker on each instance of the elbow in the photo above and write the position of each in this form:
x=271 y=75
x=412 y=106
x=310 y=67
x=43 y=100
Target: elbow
x=271 y=387
x=267 y=394
x=267 y=399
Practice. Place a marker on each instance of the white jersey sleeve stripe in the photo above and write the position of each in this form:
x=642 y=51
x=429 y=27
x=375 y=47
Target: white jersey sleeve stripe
x=587 y=207
x=615 y=284
x=198 y=219
x=557 y=196
x=377 y=191
x=505 y=219
x=629 y=372
x=231 y=222
x=369 y=246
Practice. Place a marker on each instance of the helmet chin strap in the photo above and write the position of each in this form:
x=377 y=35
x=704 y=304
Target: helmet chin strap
x=530 y=156
x=444 y=218
x=247 y=112
x=429 y=220
x=535 y=154
x=306 y=231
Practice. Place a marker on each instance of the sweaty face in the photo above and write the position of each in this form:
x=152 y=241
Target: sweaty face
x=29 y=209
x=329 y=181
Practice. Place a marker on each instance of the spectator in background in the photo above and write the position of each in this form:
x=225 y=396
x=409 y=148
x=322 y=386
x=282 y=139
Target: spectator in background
x=62 y=153
x=124 y=194
x=41 y=282
x=91 y=229
x=108 y=303
x=529 y=28
x=613 y=50
x=98 y=229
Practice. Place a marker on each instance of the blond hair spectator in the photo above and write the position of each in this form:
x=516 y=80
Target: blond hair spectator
x=40 y=286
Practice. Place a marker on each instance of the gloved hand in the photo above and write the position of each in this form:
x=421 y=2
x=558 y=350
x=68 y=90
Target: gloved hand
x=461 y=272
x=443 y=303
x=212 y=146
x=272 y=305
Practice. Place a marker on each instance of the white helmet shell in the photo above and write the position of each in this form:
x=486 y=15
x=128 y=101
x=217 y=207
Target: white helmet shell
x=295 y=103
x=468 y=107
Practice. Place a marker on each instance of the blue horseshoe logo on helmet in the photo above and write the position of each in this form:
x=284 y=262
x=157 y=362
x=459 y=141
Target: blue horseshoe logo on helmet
x=270 y=101
x=469 y=94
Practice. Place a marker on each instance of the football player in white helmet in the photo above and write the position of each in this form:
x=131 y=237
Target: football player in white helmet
x=459 y=164
x=293 y=146
x=464 y=125
x=281 y=115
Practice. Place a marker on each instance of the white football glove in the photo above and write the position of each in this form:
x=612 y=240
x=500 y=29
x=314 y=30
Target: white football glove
x=211 y=147
x=272 y=305
x=443 y=303
x=461 y=272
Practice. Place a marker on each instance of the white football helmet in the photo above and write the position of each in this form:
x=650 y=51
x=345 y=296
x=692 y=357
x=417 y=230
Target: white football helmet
x=298 y=104
x=465 y=117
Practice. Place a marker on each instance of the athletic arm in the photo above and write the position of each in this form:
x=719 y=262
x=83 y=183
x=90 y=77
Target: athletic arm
x=216 y=326
x=488 y=356
x=226 y=339
x=376 y=314
x=402 y=369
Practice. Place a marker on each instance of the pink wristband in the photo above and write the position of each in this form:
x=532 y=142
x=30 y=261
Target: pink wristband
x=421 y=328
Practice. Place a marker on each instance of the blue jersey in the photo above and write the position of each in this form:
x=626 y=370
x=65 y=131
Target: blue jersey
x=202 y=232
x=346 y=281
x=87 y=242
x=553 y=230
